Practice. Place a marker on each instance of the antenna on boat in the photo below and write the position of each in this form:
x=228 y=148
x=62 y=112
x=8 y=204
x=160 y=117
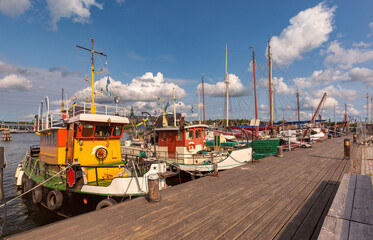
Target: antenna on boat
x=93 y=107
x=174 y=107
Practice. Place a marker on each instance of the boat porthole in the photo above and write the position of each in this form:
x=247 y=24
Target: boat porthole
x=54 y=199
x=105 y=203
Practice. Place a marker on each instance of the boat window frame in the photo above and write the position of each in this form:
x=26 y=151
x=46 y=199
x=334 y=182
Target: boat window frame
x=199 y=132
x=187 y=135
x=78 y=133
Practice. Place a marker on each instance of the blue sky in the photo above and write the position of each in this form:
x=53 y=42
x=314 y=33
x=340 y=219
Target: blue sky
x=155 y=46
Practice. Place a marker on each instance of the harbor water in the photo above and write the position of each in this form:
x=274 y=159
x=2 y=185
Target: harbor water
x=21 y=214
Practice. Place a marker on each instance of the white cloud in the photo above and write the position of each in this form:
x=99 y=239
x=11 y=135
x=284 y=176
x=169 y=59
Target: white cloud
x=15 y=82
x=280 y=87
x=236 y=88
x=345 y=58
x=320 y=77
x=146 y=88
x=338 y=92
x=78 y=10
x=363 y=75
x=313 y=101
x=371 y=29
x=307 y=31
x=14 y=8
x=351 y=110
x=361 y=44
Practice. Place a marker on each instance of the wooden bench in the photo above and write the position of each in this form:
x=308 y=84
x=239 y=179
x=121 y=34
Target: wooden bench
x=351 y=213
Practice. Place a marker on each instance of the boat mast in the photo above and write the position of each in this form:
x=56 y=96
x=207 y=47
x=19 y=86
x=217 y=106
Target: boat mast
x=62 y=101
x=227 y=86
x=270 y=85
x=93 y=107
x=367 y=107
x=203 y=98
x=174 y=109
x=298 y=105
x=256 y=103
x=199 y=111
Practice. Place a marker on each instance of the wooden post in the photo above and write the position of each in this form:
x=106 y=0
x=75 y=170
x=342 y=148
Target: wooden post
x=347 y=149
x=279 y=151
x=153 y=185
x=2 y=164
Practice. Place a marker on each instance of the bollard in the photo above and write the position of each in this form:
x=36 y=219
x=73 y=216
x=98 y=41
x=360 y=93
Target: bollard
x=347 y=149
x=279 y=151
x=355 y=138
x=153 y=185
x=215 y=164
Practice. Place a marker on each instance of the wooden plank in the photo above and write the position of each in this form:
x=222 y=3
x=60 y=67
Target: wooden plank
x=342 y=203
x=360 y=231
x=211 y=206
x=334 y=229
x=362 y=207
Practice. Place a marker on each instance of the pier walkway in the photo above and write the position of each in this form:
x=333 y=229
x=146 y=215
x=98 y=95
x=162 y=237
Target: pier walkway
x=277 y=198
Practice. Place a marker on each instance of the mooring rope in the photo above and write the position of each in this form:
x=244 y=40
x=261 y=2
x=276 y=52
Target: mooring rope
x=2 y=205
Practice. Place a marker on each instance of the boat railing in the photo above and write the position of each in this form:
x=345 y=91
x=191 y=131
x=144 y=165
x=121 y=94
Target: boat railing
x=57 y=120
x=102 y=109
x=39 y=168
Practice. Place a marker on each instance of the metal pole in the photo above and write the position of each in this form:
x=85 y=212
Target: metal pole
x=203 y=98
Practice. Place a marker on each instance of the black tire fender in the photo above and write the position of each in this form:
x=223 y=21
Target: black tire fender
x=29 y=184
x=54 y=199
x=37 y=195
x=105 y=203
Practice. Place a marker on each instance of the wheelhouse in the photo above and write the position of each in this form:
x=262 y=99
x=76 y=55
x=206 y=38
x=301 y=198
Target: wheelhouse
x=182 y=142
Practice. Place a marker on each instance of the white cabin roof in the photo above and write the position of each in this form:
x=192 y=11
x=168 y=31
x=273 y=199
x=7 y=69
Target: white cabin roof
x=99 y=118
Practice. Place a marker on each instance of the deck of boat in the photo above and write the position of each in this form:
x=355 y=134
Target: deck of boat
x=278 y=198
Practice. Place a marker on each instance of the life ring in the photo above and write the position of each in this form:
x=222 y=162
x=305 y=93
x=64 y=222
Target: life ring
x=54 y=199
x=204 y=144
x=37 y=195
x=101 y=153
x=191 y=146
x=105 y=203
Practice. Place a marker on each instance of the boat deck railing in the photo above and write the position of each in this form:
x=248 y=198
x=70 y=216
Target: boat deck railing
x=43 y=170
x=57 y=120
x=179 y=158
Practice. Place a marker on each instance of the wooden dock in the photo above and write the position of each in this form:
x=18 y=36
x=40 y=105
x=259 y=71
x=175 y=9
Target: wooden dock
x=278 y=198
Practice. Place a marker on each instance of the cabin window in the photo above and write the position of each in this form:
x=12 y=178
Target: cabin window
x=189 y=135
x=179 y=136
x=103 y=131
x=117 y=130
x=87 y=130
x=163 y=136
x=54 y=138
x=198 y=133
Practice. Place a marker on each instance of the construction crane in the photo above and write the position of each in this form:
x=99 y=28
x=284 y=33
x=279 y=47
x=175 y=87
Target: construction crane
x=315 y=114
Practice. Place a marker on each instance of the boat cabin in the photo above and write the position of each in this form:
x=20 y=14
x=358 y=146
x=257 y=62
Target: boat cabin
x=181 y=142
x=91 y=140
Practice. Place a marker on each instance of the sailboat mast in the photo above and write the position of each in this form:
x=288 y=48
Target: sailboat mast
x=298 y=105
x=227 y=85
x=270 y=84
x=199 y=111
x=203 y=98
x=174 y=109
x=256 y=103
